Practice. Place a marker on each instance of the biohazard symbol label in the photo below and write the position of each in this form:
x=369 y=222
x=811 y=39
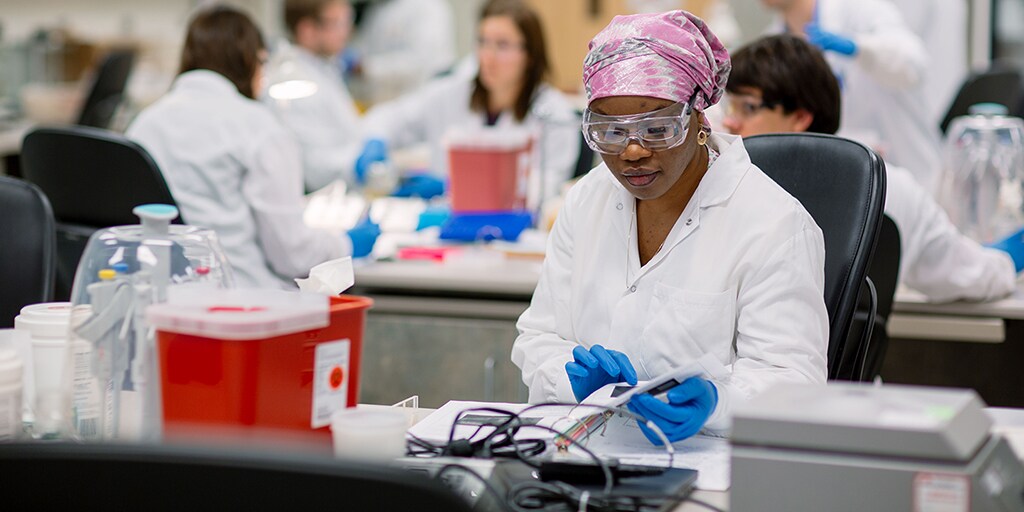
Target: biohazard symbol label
x=337 y=377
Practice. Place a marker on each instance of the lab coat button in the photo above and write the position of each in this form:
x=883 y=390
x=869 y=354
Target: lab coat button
x=689 y=221
x=618 y=206
x=632 y=288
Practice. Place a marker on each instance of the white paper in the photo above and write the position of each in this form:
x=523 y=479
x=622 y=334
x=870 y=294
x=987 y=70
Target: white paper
x=621 y=438
x=437 y=426
x=709 y=455
x=329 y=278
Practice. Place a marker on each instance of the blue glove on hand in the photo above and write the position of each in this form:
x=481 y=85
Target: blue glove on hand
x=421 y=185
x=375 y=150
x=592 y=369
x=363 y=236
x=829 y=41
x=689 y=406
x=1014 y=246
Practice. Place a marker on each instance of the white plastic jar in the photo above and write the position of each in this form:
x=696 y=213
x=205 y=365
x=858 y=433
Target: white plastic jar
x=11 y=369
x=47 y=326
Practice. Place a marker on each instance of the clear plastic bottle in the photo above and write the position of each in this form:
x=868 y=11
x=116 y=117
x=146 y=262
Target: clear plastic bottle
x=112 y=349
x=981 y=188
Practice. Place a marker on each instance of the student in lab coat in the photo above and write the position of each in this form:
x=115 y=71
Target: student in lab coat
x=881 y=65
x=508 y=91
x=326 y=122
x=783 y=84
x=229 y=163
x=401 y=44
x=675 y=247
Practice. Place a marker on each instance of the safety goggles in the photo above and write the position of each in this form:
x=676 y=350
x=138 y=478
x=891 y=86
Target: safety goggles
x=744 y=106
x=655 y=131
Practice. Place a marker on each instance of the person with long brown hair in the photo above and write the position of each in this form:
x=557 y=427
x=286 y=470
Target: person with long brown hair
x=229 y=164
x=507 y=91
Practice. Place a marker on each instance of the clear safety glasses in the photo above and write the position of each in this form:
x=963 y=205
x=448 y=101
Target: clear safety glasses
x=656 y=131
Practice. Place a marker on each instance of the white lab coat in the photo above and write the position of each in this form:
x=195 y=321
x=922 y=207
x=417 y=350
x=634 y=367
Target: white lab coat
x=942 y=26
x=232 y=167
x=883 y=103
x=402 y=44
x=741 y=276
x=428 y=113
x=936 y=259
x=326 y=124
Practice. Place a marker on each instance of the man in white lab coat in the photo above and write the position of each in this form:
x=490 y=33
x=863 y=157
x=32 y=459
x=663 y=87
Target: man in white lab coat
x=326 y=122
x=881 y=65
x=783 y=84
x=675 y=248
x=942 y=26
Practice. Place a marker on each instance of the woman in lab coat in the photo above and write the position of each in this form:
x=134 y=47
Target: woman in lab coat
x=881 y=65
x=228 y=162
x=507 y=92
x=782 y=84
x=675 y=247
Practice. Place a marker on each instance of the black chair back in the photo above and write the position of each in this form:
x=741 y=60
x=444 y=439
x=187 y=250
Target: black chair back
x=1002 y=86
x=107 y=90
x=884 y=272
x=154 y=477
x=93 y=178
x=841 y=183
x=27 y=248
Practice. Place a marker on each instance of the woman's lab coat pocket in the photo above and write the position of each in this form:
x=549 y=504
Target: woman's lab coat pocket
x=686 y=324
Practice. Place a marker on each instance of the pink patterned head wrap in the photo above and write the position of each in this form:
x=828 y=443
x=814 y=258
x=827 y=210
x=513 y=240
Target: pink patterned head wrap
x=671 y=55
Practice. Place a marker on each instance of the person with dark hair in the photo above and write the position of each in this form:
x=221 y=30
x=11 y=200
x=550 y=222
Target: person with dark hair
x=508 y=91
x=304 y=87
x=783 y=84
x=229 y=163
x=677 y=249
x=881 y=65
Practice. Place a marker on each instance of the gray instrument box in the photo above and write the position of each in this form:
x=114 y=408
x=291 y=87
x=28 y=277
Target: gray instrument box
x=852 y=446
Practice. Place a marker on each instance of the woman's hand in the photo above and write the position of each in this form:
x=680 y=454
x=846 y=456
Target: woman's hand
x=592 y=369
x=689 y=406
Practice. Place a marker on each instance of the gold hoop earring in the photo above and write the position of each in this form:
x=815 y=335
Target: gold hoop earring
x=702 y=137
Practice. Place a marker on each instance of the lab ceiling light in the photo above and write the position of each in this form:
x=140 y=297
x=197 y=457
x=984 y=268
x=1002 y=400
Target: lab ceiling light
x=287 y=80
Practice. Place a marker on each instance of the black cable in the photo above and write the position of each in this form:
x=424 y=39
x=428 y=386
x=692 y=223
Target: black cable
x=502 y=501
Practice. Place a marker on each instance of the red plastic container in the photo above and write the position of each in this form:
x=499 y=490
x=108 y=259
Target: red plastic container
x=220 y=378
x=490 y=174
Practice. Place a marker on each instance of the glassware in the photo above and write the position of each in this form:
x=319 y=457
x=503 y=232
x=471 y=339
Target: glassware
x=981 y=188
x=123 y=270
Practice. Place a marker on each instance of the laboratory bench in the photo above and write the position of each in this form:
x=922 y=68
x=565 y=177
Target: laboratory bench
x=445 y=331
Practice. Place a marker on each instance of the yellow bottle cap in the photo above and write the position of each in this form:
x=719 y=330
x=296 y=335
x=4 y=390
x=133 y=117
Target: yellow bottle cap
x=107 y=274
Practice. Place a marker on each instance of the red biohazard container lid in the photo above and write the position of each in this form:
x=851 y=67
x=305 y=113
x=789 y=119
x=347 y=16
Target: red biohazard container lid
x=239 y=314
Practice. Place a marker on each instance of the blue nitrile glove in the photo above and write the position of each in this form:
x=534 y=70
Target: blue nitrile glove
x=363 y=236
x=829 y=41
x=420 y=185
x=689 y=406
x=1014 y=246
x=592 y=369
x=375 y=150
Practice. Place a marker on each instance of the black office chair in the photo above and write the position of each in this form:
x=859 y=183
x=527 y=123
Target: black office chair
x=27 y=248
x=841 y=183
x=107 y=89
x=151 y=477
x=997 y=85
x=883 y=273
x=93 y=179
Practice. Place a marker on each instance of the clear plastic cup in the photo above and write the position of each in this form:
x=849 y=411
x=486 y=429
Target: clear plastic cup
x=369 y=434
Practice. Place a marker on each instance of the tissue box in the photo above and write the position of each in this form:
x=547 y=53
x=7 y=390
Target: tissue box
x=258 y=362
